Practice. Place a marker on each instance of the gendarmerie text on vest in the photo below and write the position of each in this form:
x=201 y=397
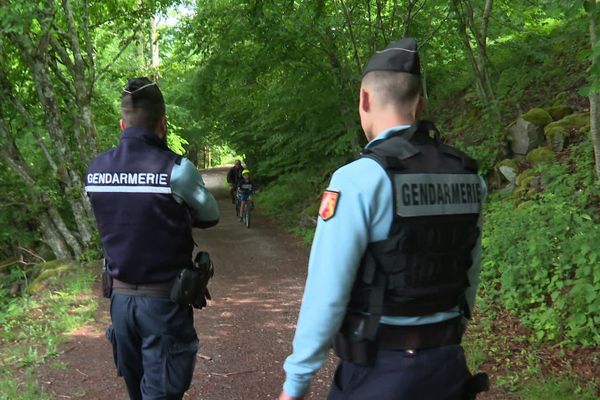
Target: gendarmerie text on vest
x=127 y=178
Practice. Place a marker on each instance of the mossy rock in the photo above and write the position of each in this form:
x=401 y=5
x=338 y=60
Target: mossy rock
x=559 y=112
x=524 y=175
x=540 y=155
x=537 y=116
x=52 y=273
x=555 y=137
x=509 y=162
x=527 y=182
x=577 y=120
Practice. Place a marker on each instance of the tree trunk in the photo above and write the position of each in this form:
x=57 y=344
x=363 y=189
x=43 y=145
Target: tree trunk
x=594 y=97
x=466 y=23
x=154 y=48
x=52 y=239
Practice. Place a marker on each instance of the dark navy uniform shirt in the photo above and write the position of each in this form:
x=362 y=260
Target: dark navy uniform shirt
x=144 y=198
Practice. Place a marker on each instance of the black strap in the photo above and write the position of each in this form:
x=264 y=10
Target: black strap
x=416 y=337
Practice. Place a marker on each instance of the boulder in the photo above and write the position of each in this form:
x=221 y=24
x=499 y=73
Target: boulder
x=525 y=136
x=537 y=116
x=555 y=137
x=559 y=112
x=508 y=169
x=558 y=132
x=540 y=155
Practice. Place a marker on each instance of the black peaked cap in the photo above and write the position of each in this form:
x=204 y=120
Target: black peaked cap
x=399 y=56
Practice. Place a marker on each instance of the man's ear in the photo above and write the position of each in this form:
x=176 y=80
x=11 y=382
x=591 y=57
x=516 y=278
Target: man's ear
x=163 y=127
x=364 y=103
x=122 y=124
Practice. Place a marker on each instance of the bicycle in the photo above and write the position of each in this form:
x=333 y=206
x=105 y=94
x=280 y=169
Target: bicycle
x=247 y=213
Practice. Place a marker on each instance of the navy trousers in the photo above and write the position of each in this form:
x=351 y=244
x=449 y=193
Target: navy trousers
x=431 y=374
x=154 y=345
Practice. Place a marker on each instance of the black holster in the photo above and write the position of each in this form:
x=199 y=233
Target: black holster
x=360 y=352
x=191 y=284
x=107 y=282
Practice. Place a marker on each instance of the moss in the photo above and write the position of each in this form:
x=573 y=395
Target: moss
x=577 y=120
x=51 y=273
x=526 y=182
x=537 y=116
x=524 y=175
x=509 y=162
x=569 y=124
x=555 y=137
x=559 y=112
x=540 y=155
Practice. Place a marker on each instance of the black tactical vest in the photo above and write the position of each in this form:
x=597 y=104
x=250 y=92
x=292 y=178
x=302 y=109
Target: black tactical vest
x=421 y=268
x=145 y=233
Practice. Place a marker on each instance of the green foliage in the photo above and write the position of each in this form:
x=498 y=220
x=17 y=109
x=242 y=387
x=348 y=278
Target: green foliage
x=557 y=389
x=34 y=326
x=540 y=259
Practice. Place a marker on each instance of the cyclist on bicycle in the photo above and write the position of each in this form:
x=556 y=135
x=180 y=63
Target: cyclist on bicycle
x=234 y=176
x=245 y=188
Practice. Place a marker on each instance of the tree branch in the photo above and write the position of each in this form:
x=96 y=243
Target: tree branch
x=351 y=31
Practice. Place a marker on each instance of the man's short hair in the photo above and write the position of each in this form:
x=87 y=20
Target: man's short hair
x=398 y=89
x=142 y=103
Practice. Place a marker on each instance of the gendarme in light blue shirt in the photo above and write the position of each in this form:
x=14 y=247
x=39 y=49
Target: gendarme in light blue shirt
x=364 y=214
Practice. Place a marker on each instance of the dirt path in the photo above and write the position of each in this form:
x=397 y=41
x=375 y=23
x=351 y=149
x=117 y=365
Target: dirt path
x=245 y=334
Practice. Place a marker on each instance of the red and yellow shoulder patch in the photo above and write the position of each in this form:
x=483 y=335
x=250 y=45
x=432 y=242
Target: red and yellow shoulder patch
x=329 y=204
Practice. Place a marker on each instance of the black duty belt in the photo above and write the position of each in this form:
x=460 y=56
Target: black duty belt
x=415 y=337
x=160 y=290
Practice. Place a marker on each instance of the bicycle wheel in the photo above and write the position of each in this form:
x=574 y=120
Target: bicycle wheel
x=237 y=207
x=247 y=213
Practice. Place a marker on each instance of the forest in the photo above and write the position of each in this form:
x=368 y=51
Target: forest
x=514 y=83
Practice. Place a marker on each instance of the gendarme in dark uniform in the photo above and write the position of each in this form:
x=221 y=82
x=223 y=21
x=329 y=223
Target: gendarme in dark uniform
x=145 y=198
x=394 y=264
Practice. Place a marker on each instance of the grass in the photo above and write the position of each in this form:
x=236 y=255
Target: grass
x=33 y=327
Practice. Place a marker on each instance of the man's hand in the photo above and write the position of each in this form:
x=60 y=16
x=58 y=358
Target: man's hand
x=285 y=396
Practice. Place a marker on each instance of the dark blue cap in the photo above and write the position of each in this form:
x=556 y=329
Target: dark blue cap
x=399 y=56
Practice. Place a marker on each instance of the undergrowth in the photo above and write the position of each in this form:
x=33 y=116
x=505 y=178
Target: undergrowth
x=33 y=327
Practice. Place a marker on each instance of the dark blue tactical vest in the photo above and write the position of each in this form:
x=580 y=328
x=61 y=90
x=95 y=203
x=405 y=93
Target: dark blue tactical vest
x=421 y=268
x=146 y=234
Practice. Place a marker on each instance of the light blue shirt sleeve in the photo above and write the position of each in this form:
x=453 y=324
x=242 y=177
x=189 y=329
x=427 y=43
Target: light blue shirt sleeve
x=188 y=187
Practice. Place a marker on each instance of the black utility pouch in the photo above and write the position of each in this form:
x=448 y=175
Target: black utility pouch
x=107 y=282
x=190 y=285
x=186 y=287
